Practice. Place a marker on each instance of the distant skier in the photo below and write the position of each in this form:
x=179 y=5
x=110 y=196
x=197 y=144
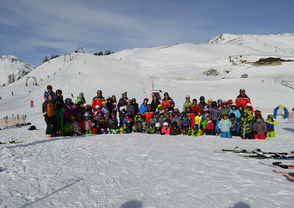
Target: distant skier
x=32 y=104
x=12 y=93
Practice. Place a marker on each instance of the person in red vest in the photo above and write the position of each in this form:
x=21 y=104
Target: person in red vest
x=242 y=94
x=148 y=114
x=97 y=100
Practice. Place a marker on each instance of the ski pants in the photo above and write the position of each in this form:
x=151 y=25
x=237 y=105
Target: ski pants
x=271 y=134
x=247 y=136
x=235 y=133
x=226 y=134
x=51 y=125
x=259 y=136
x=88 y=131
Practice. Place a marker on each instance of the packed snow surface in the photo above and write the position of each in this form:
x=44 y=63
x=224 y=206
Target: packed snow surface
x=140 y=170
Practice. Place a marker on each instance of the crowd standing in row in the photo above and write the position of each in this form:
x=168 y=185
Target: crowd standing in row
x=109 y=116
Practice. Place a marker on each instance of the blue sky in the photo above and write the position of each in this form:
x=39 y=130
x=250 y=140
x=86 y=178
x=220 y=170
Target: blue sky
x=34 y=29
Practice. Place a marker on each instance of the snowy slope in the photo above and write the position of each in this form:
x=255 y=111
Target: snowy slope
x=141 y=170
x=12 y=65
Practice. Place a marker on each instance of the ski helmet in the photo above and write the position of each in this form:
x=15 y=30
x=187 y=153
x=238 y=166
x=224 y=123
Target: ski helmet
x=165 y=124
x=134 y=100
x=165 y=94
x=49 y=87
x=230 y=101
x=174 y=124
x=202 y=98
x=214 y=103
x=270 y=116
x=194 y=100
x=186 y=124
x=195 y=126
x=59 y=91
x=157 y=125
x=232 y=115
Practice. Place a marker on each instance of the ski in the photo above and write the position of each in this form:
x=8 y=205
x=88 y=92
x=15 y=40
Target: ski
x=11 y=142
x=243 y=151
x=290 y=176
x=279 y=164
x=268 y=156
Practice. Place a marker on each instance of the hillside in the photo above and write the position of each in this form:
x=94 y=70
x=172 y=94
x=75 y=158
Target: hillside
x=141 y=170
x=12 y=65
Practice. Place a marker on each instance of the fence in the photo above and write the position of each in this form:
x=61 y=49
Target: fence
x=7 y=122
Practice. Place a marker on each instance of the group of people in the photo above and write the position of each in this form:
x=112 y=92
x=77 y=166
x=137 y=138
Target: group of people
x=160 y=116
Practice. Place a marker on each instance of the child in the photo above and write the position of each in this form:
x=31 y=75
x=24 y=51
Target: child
x=225 y=126
x=245 y=127
x=259 y=128
x=74 y=126
x=98 y=116
x=105 y=109
x=165 y=129
x=185 y=119
x=235 y=111
x=196 y=131
x=69 y=108
x=157 y=128
x=270 y=123
x=198 y=118
x=214 y=113
x=176 y=110
x=154 y=119
x=122 y=114
x=97 y=129
x=124 y=129
x=208 y=126
x=113 y=126
x=219 y=103
x=166 y=112
x=139 y=127
x=175 y=130
x=139 y=117
x=128 y=118
x=248 y=110
x=87 y=125
x=161 y=120
x=66 y=129
x=170 y=116
x=59 y=113
x=151 y=129
x=144 y=127
x=130 y=108
x=225 y=108
x=235 y=127
x=176 y=119
x=107 y=122
x=186 y=130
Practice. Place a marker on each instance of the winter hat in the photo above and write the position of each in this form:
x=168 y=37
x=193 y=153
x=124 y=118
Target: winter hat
x=207 y=116
x=206 y=110
x=81 y=93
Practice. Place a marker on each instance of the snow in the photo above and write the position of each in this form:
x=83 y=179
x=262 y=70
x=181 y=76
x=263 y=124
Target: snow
x=10 y=64
x=139 y=170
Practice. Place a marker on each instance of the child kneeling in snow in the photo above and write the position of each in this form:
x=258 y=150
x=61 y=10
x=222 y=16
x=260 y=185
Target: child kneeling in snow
x=270 y=123
x=259 y=128
x=225 y=125
x=208 y=126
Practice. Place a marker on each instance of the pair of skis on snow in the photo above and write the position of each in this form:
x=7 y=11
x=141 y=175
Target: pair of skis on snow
x=258 y=154
x=289 y=175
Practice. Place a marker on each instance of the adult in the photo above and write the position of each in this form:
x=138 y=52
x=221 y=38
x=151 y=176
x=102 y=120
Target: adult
x=155 y=102
x=49 y=92
x=242 y=94
x=187 y=102
x=136 y=106
x=49 y=115
x=166 y=100
x=97 y=100
x=143 y=106
x=80 y=101
x=59 y=96
x=124 y=97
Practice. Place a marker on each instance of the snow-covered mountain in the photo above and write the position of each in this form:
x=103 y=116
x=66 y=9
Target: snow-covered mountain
x=9 y=65
x=142 y=170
